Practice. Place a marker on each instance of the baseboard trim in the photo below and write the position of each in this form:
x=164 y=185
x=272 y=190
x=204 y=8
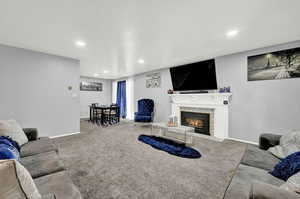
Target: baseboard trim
x=64 y=135
x=245 y=141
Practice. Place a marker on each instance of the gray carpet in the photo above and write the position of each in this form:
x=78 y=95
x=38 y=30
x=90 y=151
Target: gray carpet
x=111 y=163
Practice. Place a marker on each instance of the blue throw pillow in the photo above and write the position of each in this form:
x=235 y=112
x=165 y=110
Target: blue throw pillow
x=9 y=149
x=8 y=152
x=287 y=166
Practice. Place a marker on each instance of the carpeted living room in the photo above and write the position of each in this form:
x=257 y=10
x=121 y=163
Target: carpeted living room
x=139 y=100
x=114 y=164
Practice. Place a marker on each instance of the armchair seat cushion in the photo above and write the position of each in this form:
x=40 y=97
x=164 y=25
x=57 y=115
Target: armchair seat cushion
x=59 y=184
x=37 y=147
x=143 y=118
x=42 y=164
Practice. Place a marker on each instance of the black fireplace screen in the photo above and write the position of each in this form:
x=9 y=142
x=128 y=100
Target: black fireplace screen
x=200 y=121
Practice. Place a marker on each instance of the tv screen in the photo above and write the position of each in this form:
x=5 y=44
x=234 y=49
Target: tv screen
x=195 y=76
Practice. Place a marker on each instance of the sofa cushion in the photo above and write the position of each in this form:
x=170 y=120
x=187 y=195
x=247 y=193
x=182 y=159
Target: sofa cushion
x=244 y=177
x=16 y=182
x=293 y=183
x=13 y=130
x=42 y=164
x=256 y=157
x=38 y=146
x=287 y=167
x=266 y=191
x=58 y=183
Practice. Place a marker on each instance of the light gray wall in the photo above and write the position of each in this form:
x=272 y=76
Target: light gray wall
x=34 y=90
x=159 y=95
x=257 y=107
x=89 y=97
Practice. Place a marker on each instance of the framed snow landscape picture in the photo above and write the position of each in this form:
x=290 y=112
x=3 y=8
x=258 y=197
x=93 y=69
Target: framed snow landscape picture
x=283 y=64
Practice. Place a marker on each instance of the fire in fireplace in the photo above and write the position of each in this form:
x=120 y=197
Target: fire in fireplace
x=200 y=121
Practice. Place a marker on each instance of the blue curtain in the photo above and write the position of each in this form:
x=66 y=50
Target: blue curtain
x=121 y=98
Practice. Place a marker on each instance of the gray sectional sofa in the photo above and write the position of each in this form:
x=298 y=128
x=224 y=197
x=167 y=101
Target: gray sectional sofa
x=40 y=157
x=252 y=179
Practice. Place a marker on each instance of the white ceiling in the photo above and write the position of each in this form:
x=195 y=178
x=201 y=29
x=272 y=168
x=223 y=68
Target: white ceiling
x=163 y=33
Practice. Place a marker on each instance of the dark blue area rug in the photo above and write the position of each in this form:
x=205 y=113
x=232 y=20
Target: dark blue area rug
x=170 y=146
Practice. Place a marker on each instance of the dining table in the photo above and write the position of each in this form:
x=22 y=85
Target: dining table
x=102 y=109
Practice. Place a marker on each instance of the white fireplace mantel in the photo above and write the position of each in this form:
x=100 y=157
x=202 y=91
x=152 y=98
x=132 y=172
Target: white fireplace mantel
x=217 y=102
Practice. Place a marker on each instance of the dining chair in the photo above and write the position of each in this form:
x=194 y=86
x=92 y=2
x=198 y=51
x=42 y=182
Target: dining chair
x=96 y=114
x=112 y=114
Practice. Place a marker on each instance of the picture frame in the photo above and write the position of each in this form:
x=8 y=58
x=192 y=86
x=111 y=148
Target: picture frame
x=91 y=86
x=283 y=64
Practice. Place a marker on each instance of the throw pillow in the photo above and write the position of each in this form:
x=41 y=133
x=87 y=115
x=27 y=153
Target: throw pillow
x=8 y=152
x=13 y=130
x=283 y=151
x=16 y=182
x=289 y=143
x=287 y=167
x=293 y=183
x=8 y=149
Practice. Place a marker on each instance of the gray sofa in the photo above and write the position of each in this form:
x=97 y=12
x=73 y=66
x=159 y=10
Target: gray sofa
x=40 y=157
x=252 y=180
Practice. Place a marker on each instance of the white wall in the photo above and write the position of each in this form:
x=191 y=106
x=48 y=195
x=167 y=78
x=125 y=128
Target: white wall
x=257 y=107
x=34 y=90
x=89 y=97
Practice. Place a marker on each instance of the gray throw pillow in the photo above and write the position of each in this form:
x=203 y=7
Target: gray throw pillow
x=293 y=183
x=16 y=182
x=289 y=144
x=11 y=129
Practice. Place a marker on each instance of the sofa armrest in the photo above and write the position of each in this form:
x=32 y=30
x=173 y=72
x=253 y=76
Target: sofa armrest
x=267 y=140
x=266 y=191
x=31 y=133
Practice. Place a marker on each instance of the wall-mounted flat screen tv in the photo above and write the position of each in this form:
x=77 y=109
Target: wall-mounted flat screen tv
x=195 y=76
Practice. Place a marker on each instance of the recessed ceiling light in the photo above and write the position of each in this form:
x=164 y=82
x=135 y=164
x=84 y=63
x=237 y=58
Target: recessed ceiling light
x=105 y=71
x=232 y=33
x=96 y=74
x=141 y=61
x=80 y=43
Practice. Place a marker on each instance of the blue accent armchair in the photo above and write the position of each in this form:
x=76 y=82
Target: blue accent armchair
x=145 y=111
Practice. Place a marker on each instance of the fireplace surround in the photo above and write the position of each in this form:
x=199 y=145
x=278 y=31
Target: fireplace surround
x=216 y=105
x=198 y=120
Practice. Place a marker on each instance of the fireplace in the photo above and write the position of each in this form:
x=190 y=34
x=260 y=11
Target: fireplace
x=209 y=103
x=200 y=121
